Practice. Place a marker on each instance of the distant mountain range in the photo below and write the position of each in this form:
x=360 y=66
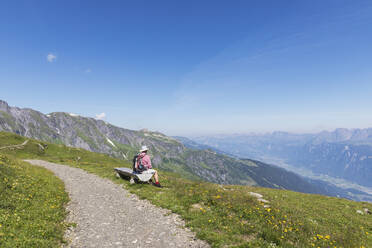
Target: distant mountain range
x=167 y=152
x=179 y=155
x=194 y=145
x=343 y=153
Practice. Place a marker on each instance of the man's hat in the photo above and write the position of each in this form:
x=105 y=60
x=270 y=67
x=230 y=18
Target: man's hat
x=144 y=148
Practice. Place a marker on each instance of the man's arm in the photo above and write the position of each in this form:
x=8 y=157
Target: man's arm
x=146 y=161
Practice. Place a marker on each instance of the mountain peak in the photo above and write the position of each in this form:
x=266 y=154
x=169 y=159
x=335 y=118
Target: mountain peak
x=4 y=105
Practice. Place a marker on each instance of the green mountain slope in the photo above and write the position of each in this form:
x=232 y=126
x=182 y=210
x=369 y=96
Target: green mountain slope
x=167 y=153
x=226 y=216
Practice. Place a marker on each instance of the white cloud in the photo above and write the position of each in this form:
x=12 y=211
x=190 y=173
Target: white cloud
x=51 y=57
x=101 y=116
x=88 y=70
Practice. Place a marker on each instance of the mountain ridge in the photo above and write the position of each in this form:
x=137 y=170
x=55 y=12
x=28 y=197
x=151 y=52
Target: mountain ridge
x=167 y=153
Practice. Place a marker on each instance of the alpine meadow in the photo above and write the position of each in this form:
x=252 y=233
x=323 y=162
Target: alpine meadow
x=174 y=124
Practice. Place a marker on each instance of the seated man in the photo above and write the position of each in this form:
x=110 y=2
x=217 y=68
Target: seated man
x=144 y=164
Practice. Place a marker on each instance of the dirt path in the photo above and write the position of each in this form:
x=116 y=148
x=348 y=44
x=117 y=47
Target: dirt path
x=107 y=215
x=15 y=146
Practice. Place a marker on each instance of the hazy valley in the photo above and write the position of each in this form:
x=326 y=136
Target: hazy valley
x=342 y=157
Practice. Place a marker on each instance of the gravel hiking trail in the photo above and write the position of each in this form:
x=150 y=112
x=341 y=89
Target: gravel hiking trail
x=107 y=215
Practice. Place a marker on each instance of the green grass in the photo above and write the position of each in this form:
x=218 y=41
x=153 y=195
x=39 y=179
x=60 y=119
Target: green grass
x=32 y=205
x=227 y=216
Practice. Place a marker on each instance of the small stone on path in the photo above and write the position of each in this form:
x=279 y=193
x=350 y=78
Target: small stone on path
x=257 y=195
x=262 y=200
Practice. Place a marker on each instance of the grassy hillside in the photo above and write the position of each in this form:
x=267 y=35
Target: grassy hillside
x=32 y=205
x=228 y=216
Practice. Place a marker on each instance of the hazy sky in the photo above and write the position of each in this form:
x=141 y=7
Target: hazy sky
x=192 y=67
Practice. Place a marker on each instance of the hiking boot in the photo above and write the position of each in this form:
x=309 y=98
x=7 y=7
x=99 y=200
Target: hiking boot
x=157 y=185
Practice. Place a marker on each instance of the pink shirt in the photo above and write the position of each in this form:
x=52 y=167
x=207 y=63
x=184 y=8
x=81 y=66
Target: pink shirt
x=146 y=161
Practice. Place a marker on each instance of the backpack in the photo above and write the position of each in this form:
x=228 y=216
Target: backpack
x=140 y=165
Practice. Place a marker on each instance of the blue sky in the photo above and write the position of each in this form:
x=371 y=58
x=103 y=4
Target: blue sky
x=192 y=67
